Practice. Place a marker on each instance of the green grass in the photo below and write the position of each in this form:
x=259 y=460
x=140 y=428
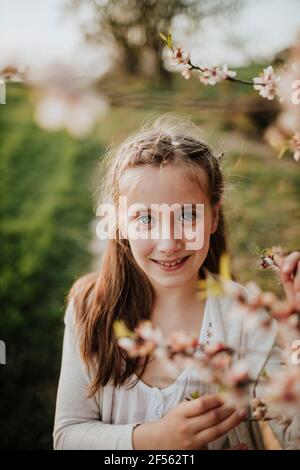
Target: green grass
x=46 y=208
x=262 y=208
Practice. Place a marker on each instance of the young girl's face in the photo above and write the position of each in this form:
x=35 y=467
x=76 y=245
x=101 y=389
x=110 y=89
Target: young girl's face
x=147 y=186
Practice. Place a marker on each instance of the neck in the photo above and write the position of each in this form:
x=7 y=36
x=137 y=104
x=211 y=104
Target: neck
x=176 y=300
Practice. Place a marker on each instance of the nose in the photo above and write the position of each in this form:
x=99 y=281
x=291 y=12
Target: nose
x=169 y=243
x=169 y=246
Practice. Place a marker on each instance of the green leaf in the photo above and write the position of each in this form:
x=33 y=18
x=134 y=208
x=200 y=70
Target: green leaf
x=283 y=151
x=121 y=330
x=260 y=252
x=264 y=374
x=163 y=38
x=169 y=41
x=225 y=267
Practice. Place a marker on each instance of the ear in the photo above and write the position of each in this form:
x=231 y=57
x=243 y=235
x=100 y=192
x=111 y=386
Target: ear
x=215 y=217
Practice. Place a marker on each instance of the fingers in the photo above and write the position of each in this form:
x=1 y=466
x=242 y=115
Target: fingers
x=297 y=286
x=201 y=405
x=290 y=275
x=289 y=265
x=221 y=428
x=240 y=446
x=210 y=418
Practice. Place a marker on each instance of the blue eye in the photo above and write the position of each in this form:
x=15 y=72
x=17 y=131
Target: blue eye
x=189 y=216
x=145 y=219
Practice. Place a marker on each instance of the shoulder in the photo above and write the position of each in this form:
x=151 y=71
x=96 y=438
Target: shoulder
x=78 y=299
x=81 y=292
x=83 y=284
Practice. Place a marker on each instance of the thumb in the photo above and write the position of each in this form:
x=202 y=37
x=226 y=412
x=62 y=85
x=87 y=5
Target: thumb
x=288 y=268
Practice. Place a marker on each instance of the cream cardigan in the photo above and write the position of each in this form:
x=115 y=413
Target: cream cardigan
x=85 y=423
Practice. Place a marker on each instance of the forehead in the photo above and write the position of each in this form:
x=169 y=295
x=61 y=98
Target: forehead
x=150 y=185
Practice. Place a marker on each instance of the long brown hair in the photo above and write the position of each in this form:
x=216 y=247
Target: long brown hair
x=121 y=290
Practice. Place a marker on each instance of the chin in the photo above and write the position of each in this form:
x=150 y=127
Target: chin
x=174 y=281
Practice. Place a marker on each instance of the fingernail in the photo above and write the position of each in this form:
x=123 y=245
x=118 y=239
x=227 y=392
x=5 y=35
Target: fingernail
x=243 y=447
x=242 y=413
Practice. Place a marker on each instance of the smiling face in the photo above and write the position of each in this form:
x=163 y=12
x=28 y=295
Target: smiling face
x=168 y=261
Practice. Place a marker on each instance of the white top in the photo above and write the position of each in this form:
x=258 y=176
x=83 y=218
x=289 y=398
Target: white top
x=155 y=402
x=90 y=423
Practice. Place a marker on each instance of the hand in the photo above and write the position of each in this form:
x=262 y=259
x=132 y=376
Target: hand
x=191 y=424
x=289 y=266
x=240 y=446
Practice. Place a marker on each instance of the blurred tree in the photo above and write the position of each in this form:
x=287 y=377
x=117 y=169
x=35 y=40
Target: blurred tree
x=134 y=26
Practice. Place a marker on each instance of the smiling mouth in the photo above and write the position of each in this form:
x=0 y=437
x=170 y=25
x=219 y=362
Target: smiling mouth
x=168 y=264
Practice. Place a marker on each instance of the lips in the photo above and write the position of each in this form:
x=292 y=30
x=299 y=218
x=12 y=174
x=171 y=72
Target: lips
x=171 y=266
x=170 y=263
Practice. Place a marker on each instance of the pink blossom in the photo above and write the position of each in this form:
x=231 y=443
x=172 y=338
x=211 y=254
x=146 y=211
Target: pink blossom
x=222 y=360
x=228 y=73
x=147 y=332
x=235 y=397
x=266 y=83
x=11 y=73
x=238 y=374
x=180 y=56
x=74 y=111
x=181 y=342
x=283 y=390
x=233 y=289
x=216 y=348
x=186 y=72
x=135 y=349
x=266 y=261
x=213 y=75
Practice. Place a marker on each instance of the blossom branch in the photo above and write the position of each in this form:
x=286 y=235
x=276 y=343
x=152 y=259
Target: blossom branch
x=220 y=366
x=266 y=83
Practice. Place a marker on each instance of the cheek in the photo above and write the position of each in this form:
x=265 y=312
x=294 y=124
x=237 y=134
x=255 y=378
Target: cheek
x=141 y=249
x=207 y=232
x=201 y=254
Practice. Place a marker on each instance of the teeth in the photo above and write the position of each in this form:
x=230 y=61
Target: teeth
x=171 y=264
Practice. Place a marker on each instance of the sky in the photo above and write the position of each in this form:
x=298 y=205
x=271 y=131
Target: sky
x=35 y=32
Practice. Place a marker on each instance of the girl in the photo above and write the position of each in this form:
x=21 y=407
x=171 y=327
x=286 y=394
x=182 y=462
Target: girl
x=106 y=400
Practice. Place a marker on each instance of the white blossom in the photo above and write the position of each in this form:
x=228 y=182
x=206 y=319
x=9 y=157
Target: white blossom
x=186 y=72
x=213 y=75
x=180 y=56
x=75 y=112
x=266 y=83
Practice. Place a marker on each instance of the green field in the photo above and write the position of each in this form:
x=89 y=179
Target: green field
x=45 y=214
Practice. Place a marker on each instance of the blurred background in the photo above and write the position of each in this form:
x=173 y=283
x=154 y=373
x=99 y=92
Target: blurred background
x=82 y=74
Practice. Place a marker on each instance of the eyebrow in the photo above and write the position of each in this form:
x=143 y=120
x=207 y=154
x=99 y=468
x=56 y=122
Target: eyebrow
x=148 y=208
x=193 y=204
